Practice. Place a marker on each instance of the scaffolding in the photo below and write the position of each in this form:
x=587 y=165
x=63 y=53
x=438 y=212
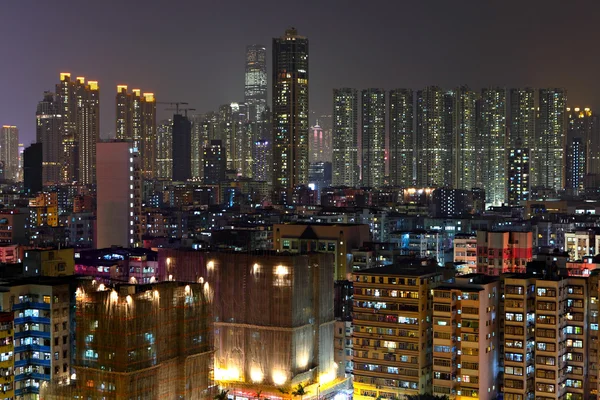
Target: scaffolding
x=141 y=342
x=274 y=322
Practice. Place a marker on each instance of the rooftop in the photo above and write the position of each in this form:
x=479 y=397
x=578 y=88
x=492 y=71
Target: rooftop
x=402 y=270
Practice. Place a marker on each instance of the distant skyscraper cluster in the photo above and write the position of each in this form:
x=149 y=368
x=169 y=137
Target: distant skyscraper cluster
x=496 y=140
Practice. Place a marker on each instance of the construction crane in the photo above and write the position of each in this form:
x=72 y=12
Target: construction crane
x=175 y=103
x=176 y=109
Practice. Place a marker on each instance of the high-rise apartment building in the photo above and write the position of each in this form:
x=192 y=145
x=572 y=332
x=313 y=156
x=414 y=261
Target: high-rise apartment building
x=392 y=338
x=164 y=150
x=551 y=139
x=181 y=148
x=43 y=312
x=466 y=168
x=215 y=163
x=79 y=108
x=433 y=142
x=48 y=132
x=136 y=121
x=9 y=151
x=119 y=195
x=290 y=114
x=255 y=82
x=401 y=148
x=141 y=341
x=319 y=144
x=373 y=137
x=33 y=169
x=492 y=135
x=261 y=167
x=522 y=117
x=200 y=139
x=465 y=337
x=345 y=137
x=518 y=176
x=575 y=164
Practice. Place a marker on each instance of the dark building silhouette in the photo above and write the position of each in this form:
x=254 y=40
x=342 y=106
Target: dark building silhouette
x=215 y=163
x=32 y=168
x=182 y=146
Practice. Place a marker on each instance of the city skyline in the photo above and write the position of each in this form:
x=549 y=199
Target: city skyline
x=206 y=85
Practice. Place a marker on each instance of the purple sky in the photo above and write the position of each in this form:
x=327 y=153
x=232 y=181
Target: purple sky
x=194 y=50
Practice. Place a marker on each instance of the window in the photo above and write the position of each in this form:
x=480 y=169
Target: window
x=56 y=355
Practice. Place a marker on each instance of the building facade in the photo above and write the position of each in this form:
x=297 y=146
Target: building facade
x=373 y=137
x=290 y=113
x=401 y=148
x=345 y=137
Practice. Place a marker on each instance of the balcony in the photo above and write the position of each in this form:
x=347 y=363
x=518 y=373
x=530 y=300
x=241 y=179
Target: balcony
x=35 y=320
x=31 y=304
x=27 y=390
x=32 y=347
x=32 y=361
x=32 y=333
x=32 y=375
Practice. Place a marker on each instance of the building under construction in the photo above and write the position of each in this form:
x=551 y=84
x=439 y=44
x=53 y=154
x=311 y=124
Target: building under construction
x=141 y=342
x=274 y=322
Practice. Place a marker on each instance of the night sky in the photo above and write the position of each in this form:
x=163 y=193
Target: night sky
x=194 y=50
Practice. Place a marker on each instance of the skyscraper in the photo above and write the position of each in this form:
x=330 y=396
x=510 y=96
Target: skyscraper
x=551 y=138
x=215 y=163
x=48 y=132
x=433 y=143
x=465 y=149
x=522 y=126
x=32 y=169
x=79 y=108
x=582 y=146
x=164 y=150
x=575 y=165
x=493 y=137
x=9 y=151
x=522 y=117
x=119 y=195
x=401 y=137
x=136 y=121
x=373 y=137
x=236 y=137
x=255 y=87
x=345 y=138
x=290 y=113
x=182 y=137
x=518 y=182
x=261 y=168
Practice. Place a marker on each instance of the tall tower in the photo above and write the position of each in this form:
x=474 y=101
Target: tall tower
x=164 y=150
x=79 y=108
x=182 y=141
x=551 y=138
x=88 y=128
x=136 y=122
x=432 y=141
x=255 y=83
x=582 y=143
x=119 y=195
x=518 y=183
x=48 y=132
x=373 y=137
x=290 y=113
x=66 y=92
x=494 y=142
x=345 y=137
x=9 y=151
x=401 y=137
x=522 y=117
x=466 y=169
